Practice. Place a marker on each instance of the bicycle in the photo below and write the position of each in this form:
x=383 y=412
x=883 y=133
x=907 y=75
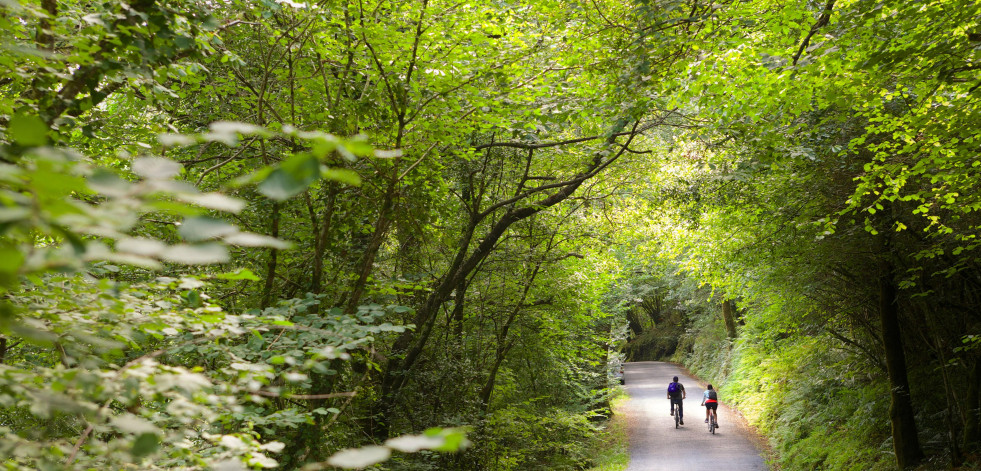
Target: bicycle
x=674 y=412
x=712 y=423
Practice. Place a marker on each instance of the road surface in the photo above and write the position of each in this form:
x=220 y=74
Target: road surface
x=656 y=445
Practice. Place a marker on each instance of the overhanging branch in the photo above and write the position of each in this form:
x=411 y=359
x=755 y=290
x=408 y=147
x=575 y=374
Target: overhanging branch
x=822 y=21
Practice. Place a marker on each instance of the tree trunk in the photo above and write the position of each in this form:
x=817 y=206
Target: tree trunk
x=367 y=262
x=636 y=328
x=905 y=441
x=956 y=458
x=271 y=263
x=972 y=401
x=729 y=316
x=408 y=346
x=458 y=310
x=485 y=392
x=503 y=345
x=46 y=41
x=320 y=248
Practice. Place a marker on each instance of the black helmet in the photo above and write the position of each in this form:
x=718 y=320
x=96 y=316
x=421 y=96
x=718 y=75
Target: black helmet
x=676 y=379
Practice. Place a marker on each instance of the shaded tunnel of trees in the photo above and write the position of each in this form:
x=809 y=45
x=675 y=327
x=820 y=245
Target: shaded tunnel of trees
x=425 y=234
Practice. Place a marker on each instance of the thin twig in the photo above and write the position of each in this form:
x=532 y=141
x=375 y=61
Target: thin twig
x=237 y=22
x=222 y=163
x=417 y=162
x=309 y=397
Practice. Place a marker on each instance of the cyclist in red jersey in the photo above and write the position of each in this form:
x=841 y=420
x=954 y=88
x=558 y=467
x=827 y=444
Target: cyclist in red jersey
x=710 y=399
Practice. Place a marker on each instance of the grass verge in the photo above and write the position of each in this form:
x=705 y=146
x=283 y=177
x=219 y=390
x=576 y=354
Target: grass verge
x=610 y=447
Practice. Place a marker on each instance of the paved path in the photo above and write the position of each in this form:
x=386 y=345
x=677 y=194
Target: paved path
x=656 y=445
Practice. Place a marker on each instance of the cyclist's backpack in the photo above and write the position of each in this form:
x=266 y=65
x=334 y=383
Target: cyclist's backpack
x=713 y=395
x=673 y=388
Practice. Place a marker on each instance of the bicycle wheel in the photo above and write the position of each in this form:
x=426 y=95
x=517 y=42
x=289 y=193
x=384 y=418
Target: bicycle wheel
x=677 y=418
x=712 y=423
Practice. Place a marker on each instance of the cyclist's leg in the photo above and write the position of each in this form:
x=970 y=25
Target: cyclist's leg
x=681 y=410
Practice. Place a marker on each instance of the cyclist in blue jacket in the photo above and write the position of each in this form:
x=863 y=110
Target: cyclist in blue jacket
x=676 y=393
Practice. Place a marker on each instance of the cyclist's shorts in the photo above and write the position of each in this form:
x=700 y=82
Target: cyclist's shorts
x=712 y=405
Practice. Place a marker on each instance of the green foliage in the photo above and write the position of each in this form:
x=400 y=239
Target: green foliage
x=610 y=445
x=194 y=261
x=825 y=153
x=108 y=373
x=818 y=408
x=159 y=155
x=529 y=438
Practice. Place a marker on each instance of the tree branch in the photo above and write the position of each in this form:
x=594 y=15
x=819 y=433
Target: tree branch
x=868 y=353
x=309 y=397
x=578 y=179
x=822 y=21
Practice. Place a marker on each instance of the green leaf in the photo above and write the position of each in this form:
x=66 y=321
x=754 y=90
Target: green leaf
x=197 y=229
x=241 y=274
x=130 y=423
x=216 y=201
x=291 y=178
x=359 y=457
x=196 y=254
x=10 y=261
x=183 y=42
x=256 y=176
x=415 y=443
x=323 y=146
x=42 y=338
x=227 y=132
x=455 y=439
x=28 y=130
x=349 y=177
x=357 y=146
x=145 y=444
x=14 y=214
x=156 y=168
x=248 y=239
x=140 y=246
x=108 y=183
x=209 y=23
x=173 y=207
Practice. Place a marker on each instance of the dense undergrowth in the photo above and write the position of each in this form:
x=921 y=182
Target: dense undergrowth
x=819 y=407
x=609 y=447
